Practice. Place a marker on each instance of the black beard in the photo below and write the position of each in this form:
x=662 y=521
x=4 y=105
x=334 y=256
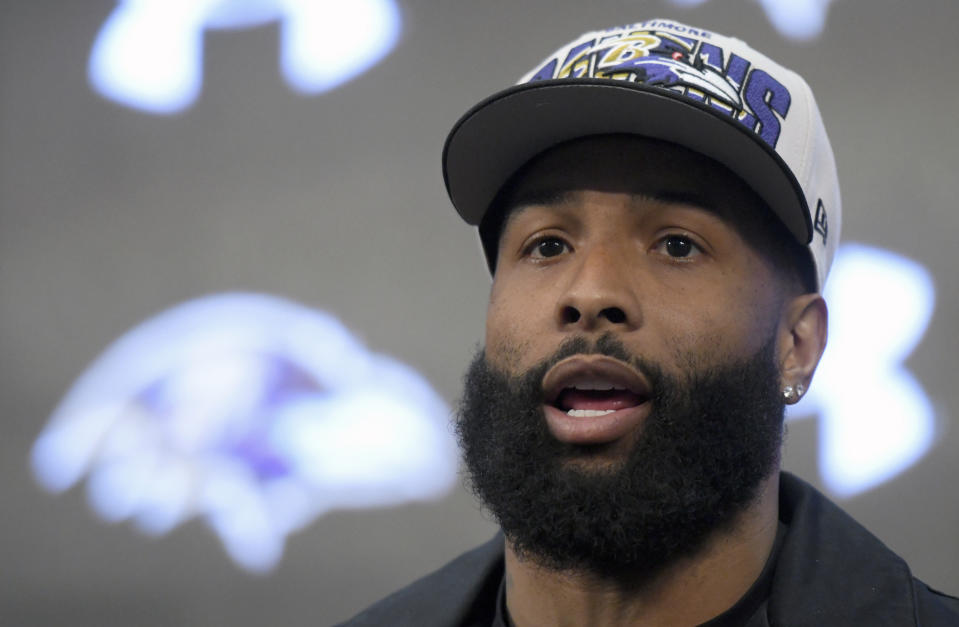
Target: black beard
x=710 y=440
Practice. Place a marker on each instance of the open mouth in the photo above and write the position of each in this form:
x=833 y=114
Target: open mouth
x=586 y=387
x=596 y=398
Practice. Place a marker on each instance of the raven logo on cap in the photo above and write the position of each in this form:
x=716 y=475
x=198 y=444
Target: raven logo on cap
x=697 y=69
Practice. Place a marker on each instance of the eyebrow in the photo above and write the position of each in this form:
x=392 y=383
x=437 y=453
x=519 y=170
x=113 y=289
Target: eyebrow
x=684 y=197
x=552 y=197
x=538 y=196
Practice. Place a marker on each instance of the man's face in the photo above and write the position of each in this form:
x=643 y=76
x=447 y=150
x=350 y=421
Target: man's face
x=629 y=385
x=634 y=237
x=631 y=237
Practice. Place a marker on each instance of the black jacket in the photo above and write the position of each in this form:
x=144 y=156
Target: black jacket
x=831 y=572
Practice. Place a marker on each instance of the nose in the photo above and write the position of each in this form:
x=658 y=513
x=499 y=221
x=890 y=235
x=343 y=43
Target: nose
x=601 y=294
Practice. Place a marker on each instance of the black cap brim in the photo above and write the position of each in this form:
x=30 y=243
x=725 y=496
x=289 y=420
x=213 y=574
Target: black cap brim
x=498 y=136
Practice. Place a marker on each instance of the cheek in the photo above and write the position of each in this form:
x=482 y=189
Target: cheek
x=497 y=334
x=514 y=321
x=501 y=331
x=718 y=324
x=761 y=301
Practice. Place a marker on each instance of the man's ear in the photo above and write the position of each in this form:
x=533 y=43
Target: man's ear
x=802 y=339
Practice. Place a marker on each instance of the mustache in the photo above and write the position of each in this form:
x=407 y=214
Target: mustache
x=608 y=345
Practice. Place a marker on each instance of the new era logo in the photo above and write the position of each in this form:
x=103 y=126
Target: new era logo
x=820 y=224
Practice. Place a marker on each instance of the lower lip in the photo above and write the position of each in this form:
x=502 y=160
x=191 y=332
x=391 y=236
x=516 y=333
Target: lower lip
x=594 y=429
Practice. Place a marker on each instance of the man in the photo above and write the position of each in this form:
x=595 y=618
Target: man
x=659 y=206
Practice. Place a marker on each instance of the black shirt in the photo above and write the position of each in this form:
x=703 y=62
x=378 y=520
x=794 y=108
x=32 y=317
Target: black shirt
x=749 y=611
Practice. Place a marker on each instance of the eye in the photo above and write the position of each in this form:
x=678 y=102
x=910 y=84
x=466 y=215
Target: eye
x=679 y=246
x=546 y=247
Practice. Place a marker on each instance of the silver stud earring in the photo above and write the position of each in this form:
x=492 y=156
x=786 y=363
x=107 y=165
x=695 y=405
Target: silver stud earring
x=789 y=392
x=800 y=390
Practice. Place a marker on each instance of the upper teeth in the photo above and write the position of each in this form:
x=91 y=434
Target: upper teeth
x=594 y=384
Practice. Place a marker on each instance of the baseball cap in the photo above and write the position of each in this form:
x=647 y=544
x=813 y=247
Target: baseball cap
x=665 y=80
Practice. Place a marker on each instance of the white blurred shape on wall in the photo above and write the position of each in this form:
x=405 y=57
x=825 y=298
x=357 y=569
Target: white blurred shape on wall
x=875 y=419
x=251 y=411
x=800 y=20
x=149 y=53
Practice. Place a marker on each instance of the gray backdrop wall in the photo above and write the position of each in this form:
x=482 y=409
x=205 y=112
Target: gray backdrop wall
x=108 y=216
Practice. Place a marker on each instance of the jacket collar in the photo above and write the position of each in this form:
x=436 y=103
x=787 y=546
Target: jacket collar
x=831 y=571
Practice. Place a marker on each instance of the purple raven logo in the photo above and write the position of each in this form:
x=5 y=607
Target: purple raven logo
x=251 y=412
x=670 y=64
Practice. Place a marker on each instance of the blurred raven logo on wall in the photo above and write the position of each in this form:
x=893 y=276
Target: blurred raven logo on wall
x=252 y=412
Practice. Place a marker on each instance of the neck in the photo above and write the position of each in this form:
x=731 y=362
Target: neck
x=690 y=591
